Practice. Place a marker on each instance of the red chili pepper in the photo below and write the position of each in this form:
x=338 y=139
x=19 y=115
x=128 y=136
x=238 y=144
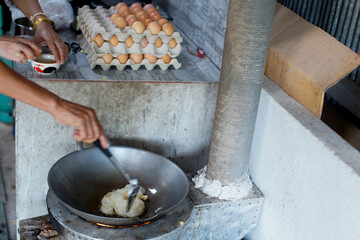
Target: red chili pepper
x=200 y=52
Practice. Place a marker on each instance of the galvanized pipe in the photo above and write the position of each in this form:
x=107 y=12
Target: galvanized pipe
x=247 y=36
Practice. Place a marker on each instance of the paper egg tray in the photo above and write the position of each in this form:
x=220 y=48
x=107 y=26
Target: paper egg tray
x=97 y=21
x=94 y=60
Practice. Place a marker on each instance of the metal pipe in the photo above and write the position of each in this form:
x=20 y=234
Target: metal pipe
x=247 y=36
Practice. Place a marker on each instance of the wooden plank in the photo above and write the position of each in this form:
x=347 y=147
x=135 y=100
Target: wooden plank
x=347 y=94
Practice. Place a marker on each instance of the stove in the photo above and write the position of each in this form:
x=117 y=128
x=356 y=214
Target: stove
x=198 y=217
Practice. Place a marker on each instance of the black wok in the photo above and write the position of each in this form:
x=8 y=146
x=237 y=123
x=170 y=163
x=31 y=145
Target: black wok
x=80 y=180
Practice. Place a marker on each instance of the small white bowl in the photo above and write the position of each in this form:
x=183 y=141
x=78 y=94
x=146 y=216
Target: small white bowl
x=45 y=64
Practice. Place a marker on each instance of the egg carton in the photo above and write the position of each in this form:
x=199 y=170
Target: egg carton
x=94 y=60
x=98 y=21
x=136 y=48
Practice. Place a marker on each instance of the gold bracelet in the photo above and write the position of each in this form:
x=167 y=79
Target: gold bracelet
x=39 y=20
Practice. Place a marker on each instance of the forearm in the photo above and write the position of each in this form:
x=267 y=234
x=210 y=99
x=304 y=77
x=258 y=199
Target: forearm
x=16 y=86
x=28 y=7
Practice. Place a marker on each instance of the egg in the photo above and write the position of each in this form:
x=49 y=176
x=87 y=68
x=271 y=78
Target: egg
x=123 y=58
x=136 y=10
x=141 y=13
x=130 y=16
x=107 y=58
x=120 y=22
x=166 y=58
x=148 y=6
x=154 y=28
x=158 y=42
x=114 y=40
x=151 y=10
x=114 y=16
x=132 y=20
x=135 y=5
x=120 y=5
x=144 y=42
x=138 y=26
x=162 y=21
x=172 y=43
x=168 y=29
x=157 y=18
x=143 y=17
x=137 y=58
x=125 y=14
x=147 y=21
x=123 y=9
x=129 y=42
x=154 y=14
x=99 y=40
x=152 y=59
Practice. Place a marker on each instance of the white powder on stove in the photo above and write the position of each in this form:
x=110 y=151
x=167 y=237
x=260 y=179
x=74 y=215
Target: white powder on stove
x=238 y=190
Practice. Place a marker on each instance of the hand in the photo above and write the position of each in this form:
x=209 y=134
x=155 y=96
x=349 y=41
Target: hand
x=84 y=119
x=18 y=49
x=45 y=34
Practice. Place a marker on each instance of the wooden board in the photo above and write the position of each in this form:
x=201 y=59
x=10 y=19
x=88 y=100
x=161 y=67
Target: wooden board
x=304 y=60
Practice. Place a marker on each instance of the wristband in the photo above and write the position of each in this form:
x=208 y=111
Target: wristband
x=39 y=20
x=35 y=15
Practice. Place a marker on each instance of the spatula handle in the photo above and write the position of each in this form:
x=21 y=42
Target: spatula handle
x=105 y=151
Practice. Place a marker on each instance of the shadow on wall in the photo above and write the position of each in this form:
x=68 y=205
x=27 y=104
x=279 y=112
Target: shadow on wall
x=189 y=162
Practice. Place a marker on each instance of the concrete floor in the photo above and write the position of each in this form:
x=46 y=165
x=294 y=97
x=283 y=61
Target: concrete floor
x=7 y=161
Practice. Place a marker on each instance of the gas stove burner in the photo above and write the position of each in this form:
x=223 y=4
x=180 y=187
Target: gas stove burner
x=197 y=217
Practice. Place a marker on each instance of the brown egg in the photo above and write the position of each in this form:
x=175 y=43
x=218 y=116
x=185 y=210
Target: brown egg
x=143 y=17
x=151 y=58
x=135 y=5
x=162 y=21
x=136 y=10
x=168 y=29
x=123 y=58
x=154 y=14
x=154 y=28
x=166 y=59
x=114 y=16
x=132 y=20
x=147 y=21
x=158 y=42
x=130 y=16
x=120 y=22
x=129 y=42
x=138 y=26
x=148 y=6
x=144 y=42
x=157 y=18
x=150 y=10
x=125 y=14
x=141 y=13
x=114 y=40
x=107 y=58
x=137 y=57
x=120 y=5
x=123 y=9
x=172 y=43
x=99 y=40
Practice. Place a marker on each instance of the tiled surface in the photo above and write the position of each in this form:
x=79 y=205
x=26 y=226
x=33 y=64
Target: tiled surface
x=204 y=23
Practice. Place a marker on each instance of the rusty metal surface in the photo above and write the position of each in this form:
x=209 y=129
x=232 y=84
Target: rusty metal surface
x=246 y=43
x=199 y=217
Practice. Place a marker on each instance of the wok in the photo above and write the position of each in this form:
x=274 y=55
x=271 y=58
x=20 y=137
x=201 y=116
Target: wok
x=80 y=180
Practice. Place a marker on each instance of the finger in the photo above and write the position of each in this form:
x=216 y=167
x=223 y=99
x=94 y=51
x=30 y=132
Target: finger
x=82 y=129
x=27 y=52
x=54 y=51
x=104 y=141
x=31 y=44
x=89 y=126
x=63 y=50
x=22 y=58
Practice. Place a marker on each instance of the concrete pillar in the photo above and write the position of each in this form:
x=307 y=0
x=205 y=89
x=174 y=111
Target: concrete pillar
x=247 y=36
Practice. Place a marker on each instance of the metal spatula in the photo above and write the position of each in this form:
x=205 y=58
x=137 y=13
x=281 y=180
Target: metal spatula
x=134 y=183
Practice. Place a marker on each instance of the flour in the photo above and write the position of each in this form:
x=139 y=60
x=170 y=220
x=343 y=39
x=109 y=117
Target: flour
x=238 y=190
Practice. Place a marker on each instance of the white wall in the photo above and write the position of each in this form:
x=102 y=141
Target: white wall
x=309 y=175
